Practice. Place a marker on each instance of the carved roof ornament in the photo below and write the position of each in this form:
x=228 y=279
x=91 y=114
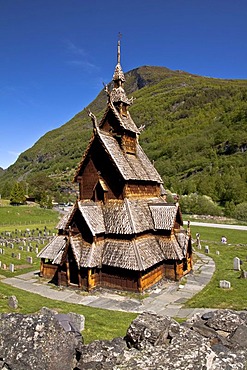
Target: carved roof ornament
x=93 y=118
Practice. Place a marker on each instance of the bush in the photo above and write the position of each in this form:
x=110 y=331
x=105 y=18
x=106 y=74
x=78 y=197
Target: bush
x=241 y=211
x=199 y=204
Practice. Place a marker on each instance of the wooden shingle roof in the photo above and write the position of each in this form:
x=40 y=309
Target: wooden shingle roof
x=65 y=220
x=131 y=216
x=135 y=255
x=86 y=255
x=141 y=253
x=171 y=248
x=93 y=215
x=125 y=122
x=132 y=167
x=116 y=218
x=54 y=250
x=163 y=216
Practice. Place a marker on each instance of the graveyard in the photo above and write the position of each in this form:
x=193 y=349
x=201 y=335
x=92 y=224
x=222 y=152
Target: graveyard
x=19 y=248
x=24 y=230
x=231 y=262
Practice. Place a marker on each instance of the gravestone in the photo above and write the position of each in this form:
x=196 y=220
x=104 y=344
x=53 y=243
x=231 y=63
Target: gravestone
x=225 y=284
x=243 y=274
x=11 y=267
x=206 y=249
x=218 y=253
x=1 y=251
x=36 y=250
x=18 y=256
x=21 y=248
x=4 y=266
x=13 y=302
x=30 y=260
x=28 y=248
x=0 y=264
x=236 y=264
x=13 y=255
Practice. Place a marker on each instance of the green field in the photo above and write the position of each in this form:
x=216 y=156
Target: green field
x=26 y=216
x=212 y=296
x=19 y=222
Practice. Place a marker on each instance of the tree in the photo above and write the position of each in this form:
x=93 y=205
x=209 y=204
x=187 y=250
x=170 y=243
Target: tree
x=17 y=195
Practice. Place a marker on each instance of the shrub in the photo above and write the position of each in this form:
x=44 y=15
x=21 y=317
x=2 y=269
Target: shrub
x=241 y=211
x=199 y=204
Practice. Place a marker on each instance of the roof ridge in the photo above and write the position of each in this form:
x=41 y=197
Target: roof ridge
x=126 y=202
x=138 y=257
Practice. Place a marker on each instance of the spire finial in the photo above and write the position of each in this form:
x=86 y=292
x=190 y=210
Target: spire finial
x=118 y=47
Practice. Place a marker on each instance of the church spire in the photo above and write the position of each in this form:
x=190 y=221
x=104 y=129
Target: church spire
x=118 y=76
x=118 y=95
x=118 y=52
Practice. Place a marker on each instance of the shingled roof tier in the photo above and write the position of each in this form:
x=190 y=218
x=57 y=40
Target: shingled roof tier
x=126 y=122
x=131 y=216
x=132 y=167
x=54 y=250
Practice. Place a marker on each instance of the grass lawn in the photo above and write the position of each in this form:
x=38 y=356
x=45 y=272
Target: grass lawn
x=12 y=217
x=19 y=222
x=212 y=296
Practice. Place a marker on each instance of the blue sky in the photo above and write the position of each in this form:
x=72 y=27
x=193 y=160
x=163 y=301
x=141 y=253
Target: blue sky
x=55 y=54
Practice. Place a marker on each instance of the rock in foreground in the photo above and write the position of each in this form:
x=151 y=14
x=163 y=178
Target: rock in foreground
x=217 y=340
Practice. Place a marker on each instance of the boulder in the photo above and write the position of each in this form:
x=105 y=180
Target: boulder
x=37 y=342
x=50 y=341
x=226 y=320
x=149 y=328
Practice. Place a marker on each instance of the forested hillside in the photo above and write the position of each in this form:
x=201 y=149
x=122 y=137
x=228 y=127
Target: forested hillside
x=195 y=132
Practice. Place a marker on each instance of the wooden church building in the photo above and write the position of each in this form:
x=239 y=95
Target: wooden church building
x=121 y=233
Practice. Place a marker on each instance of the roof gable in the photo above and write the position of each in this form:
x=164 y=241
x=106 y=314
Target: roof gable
x=93 y=215
x=55 y=249
x=164 y=216
x=132 y=167
x=123 y=122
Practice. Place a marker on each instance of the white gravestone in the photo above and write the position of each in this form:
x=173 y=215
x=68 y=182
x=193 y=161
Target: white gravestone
x=225 y=284
x=11 y=267
x=236 y=264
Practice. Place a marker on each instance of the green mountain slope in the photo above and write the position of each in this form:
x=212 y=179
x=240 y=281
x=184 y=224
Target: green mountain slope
x=195 y=132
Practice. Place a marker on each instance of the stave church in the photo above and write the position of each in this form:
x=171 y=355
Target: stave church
x=121 y=233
